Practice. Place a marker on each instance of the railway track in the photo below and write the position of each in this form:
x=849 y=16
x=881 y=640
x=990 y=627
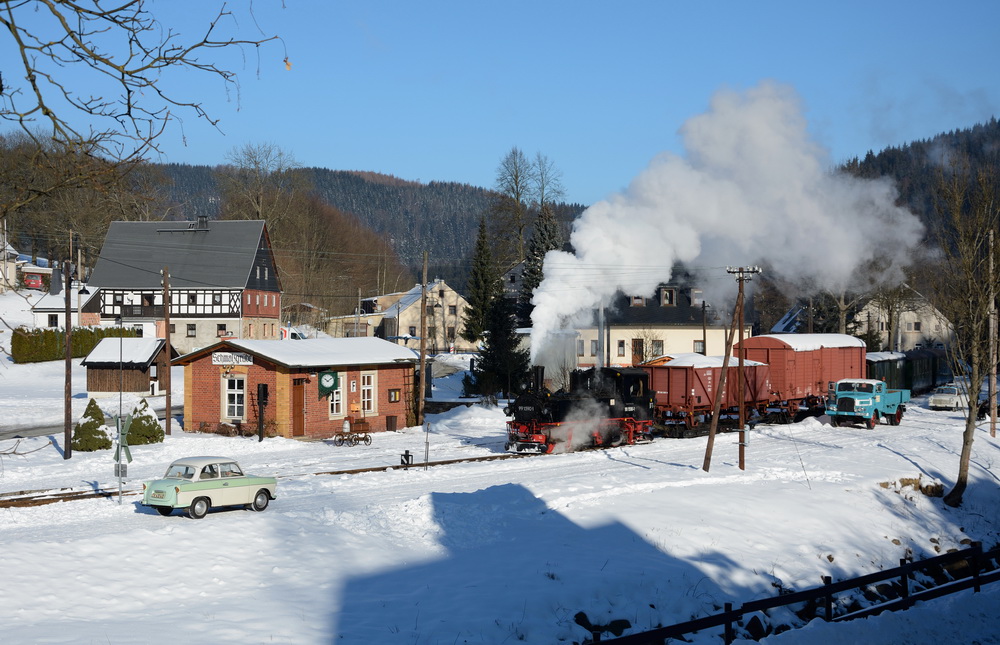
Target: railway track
x=26 y=498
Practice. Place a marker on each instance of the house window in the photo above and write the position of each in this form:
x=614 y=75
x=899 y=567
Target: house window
x=657 y=348
x=451 y=333
x=192 y=330
x=668 y=297
x=696 y=298
x=173 y=328
x=117 y=299
x=413 y=331
x=265 y=273
x=248 y=299
x=192 y=298
x=593 y=348
x=337 y=398
x=512 y=278
x=579 y=348
x=152 y=370
x=235 y=397
x=53 y=320
x=621 y=348
x=258 y=272
x=394 y=396
x=220 y=330
x=638 y=301
x=913 y=326
x=452 y=310
x=258 y=300
x=216 y=298
x=699 y=347
x=368 y=392
x=431 y=332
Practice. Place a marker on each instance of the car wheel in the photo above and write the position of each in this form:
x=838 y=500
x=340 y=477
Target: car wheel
x=164 y=510
x=260 y=500
x=199 y=508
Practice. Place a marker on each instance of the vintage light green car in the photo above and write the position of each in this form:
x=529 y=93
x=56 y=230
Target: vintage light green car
x=197 y=484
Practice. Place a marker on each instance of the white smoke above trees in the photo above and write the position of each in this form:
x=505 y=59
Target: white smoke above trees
x=752 y=188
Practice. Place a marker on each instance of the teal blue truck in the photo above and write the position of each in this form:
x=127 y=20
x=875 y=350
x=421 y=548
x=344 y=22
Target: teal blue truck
x=863 y=400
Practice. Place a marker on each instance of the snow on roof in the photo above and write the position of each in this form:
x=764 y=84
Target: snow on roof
x=808 y=342
x=885 y=356
x=697 y=360
x=323 y=352
x=129 y=351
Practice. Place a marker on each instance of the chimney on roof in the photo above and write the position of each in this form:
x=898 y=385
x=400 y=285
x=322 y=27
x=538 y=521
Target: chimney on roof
x=202 y=222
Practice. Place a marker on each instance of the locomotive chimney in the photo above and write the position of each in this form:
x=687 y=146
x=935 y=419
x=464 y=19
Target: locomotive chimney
x=538 y=378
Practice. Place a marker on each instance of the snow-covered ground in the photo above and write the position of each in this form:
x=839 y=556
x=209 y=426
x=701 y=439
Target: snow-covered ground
x=483 y=552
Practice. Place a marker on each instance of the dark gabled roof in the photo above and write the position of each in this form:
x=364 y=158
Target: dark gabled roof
x=683 y=312
x=216 y=254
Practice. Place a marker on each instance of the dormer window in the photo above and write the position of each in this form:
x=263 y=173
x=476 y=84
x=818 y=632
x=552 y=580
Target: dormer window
x=638 y=301
x=668 y=297
x=696 y=297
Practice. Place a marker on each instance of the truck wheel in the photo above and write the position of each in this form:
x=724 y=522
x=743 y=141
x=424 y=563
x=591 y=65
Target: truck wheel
x=834 y=422
x=897 y=417
x=872 y=422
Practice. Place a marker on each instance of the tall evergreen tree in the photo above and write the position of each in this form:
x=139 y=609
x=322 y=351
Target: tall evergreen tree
x=545 y=237
x=482 y=288
x=502 y=364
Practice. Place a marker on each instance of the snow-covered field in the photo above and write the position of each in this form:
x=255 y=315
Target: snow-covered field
x=484 y=552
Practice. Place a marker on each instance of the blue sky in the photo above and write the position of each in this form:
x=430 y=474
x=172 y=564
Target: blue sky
x=441 y=90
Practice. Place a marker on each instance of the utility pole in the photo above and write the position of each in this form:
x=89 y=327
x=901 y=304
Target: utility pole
x=704 y=328
x=993 y=347
x=423 y=345
x=165 y=379
x=720 y=388
x=68 y=405
x=743 y=275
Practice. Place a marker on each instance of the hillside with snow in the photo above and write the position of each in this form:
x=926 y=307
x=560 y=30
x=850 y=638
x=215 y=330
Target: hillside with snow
x=484 y=552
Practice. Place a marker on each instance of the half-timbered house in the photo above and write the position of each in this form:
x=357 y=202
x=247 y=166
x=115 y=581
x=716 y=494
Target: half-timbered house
x=223 y=280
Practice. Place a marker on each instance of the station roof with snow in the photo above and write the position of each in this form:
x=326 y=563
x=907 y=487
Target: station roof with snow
x=313 y=352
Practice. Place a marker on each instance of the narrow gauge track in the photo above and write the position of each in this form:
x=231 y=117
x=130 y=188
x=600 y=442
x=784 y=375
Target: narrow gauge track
x=25 y=498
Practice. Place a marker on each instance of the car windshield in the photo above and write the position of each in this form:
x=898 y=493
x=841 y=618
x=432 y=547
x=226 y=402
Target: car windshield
x=180 y=471
x=948 y=390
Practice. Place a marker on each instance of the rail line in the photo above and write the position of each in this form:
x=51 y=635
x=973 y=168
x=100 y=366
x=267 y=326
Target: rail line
x=26 y=498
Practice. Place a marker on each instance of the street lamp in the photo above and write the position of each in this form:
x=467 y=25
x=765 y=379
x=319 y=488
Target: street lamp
x=121 y=387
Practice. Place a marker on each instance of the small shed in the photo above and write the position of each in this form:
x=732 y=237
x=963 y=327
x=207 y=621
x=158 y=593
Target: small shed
x=313 y=386
x=126 y=365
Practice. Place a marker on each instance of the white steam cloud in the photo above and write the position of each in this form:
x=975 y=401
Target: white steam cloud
x=752 y=188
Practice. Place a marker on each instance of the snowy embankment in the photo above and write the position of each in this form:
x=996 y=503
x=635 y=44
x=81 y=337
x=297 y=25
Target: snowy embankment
x=483 y=552
x=487 y=552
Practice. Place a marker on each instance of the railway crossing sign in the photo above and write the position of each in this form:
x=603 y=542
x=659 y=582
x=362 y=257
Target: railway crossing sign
x=122 y=447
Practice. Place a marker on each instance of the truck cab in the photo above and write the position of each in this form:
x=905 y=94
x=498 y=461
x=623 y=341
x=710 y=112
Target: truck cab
x=865 y=401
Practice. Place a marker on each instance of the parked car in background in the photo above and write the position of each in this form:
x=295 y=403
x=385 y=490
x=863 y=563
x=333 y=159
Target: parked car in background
x=197 y=484
x=947 y=397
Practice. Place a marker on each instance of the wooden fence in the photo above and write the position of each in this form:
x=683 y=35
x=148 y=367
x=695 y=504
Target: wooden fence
x=973 y=560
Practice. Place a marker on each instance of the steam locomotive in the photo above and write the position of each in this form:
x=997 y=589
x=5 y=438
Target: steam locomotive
x=602 y=407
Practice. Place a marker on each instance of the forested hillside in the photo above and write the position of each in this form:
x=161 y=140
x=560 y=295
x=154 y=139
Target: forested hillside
x=916 y=167
x=439 y=217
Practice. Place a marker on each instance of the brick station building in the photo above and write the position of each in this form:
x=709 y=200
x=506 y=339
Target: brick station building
x=313 y=385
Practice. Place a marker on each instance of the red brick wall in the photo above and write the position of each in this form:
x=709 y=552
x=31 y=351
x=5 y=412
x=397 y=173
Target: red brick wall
x=203 y=397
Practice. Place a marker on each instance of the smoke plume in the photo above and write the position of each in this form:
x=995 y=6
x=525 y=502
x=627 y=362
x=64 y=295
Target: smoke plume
x=751 y=188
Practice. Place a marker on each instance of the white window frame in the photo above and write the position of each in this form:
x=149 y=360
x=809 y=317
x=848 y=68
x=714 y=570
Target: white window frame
x=234 y=397
x=369 y=393
x=337 y=398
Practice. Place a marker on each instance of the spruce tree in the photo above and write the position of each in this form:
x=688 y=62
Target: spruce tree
x=482 y=287
x=145 y=427
x=545 y=237
x=90 y=433
x=502 y=364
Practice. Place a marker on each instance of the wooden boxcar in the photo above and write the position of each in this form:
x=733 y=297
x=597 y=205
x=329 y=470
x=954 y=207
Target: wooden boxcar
x=684 y=386
x=803 y=365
